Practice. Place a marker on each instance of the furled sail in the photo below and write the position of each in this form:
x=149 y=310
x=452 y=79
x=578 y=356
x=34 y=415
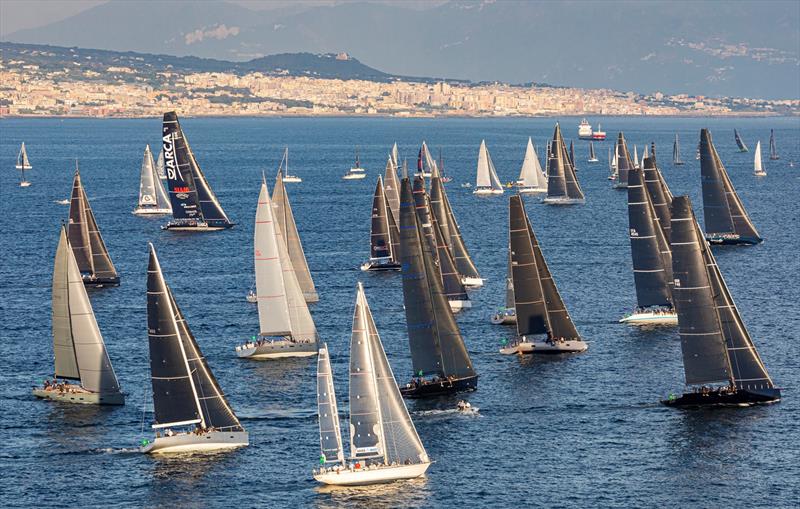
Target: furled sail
x=487 y=176
x=84 y=236
x=330 y=436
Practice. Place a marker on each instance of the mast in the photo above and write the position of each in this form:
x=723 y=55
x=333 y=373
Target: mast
x=273 y=306
x=330 y=436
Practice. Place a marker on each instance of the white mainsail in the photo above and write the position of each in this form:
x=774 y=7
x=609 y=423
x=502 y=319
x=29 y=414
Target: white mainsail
x=160 y=170
x=80 y=352
x=395 y=156
x=757 y=165
x=487 y=176
x=330 y=435
x=531 y=174
x=273 y=310
x=635 y=157
x=22 y=159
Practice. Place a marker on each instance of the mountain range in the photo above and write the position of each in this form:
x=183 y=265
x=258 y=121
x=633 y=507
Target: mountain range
x=745 y=48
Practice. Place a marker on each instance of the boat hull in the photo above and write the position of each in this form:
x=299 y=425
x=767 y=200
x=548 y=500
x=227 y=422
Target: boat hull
x=732 y=239
x=182 y=226
x=354 y=176
x=530 y=190
x=382 y=265
x=28 y=184
x=252 y=298
x=545 y=348
x=79 y=395
x=291 y=179
x=278 y=349
x=506 y=316
x=739 y=398
x=99 y=282
x=191 y=443
x=458 y=305
x=487 y=191
x=563 y=201
x=364 y=476
x=150 y=211
x=472 y=282
x=651 y=318
x=467 y=384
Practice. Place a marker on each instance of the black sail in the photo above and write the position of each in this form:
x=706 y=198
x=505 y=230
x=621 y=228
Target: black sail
x=451 y=280
x=572 y=153
x=394 y=232
x=723 y=211
x=439 y=210
x=392 y=188
x=556 y=179
x=660 y=195
x=434 y=338
x=574 y=190
x=84 y=235
x=739 y=141
x=624 y=162
x=444 y=214
x=705 y=359
x=773 y=149
x=647 y=241
x=380 y=236
x=528 y=294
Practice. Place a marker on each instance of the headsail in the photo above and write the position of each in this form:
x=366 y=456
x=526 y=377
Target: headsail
x=758 y=168
x=22 y=159
x=531 y=174
x=330 y=435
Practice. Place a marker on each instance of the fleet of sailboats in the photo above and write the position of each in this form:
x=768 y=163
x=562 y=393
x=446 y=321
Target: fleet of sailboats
x=487 y=181
x=532 y=178
x=153 y=199
x=758 y=169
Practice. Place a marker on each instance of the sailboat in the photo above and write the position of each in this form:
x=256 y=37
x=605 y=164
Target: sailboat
x=153 y=199
x=507 y=315
x=624 y=162
x=78 y=347
x=384 y=445
x=23 y=182
x=652 y=258
x=592 y=156
x=22 y=159
x=186 y=395
x=160 y=170
x=90 y=251
x=384 y=235
x=572 y=155
x=773 y=149
x=356 y=172
x=739 y=141
x=394 y=154
x=391 y=185
x=439 y=356
x=636 y=158
x=286 y=328
x=194 y=205
x=284 y=219
x=543 y=323
x=426 y=164
x=562 y=183
x=676 y=153
x=612 y=164
x=758 y=169
x=725 y=217
x=531 y=177
x=288 y=178
x=487 y=181
x=720 y=361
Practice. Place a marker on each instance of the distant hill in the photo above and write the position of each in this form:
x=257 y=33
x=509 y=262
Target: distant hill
x=743 y=48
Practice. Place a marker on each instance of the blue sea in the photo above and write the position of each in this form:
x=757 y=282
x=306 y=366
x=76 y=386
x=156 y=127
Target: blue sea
x=580 y=431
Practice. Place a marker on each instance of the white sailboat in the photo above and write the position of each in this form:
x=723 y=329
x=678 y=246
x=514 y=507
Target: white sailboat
x=384 y=445
x=22 y=159
x=286 y=328
x=356 y=172
x=531 y=177
x=288 y=177
x=80 y=353
x=153 y=199
x=487 y=181
x=592 y=156
x=758 y=169
x=635 y=157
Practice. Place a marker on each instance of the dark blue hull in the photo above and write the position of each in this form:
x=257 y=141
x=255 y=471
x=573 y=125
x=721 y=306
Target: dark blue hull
x=191 y=225
x=716 y=398
x=432 y=389
x=732 y=239
x=100 y=282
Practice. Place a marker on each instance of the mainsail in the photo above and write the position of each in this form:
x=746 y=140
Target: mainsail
x=562 y=183
x=739 y=141
x=392 y=186
x=487 y=176
x=80 y=353
x=151 y=191
x=660 y=195
x=288 y=228
x=676 y=152
x=184 y=389
x=758 y=168
x=773 y=149
x=723 y=211
x=22 y=159
x=330 y=435
x=592 y=155
x=531 y=175
x=443 y=213
x=380 y=238
x=624 y=162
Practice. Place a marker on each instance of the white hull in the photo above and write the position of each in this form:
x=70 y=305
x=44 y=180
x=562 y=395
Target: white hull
x=526 y=190
x=28 y=184
x=651 y=318
x=506 y=316
x=252 y=298
x=291 y=179
x=278 y=349
x=543 y=347
x=21 y=167
x=564 y=201
x=593 y=160
x=472 y=282
x=193 y=228
x=80 y=396
x=760 y=173
x=190 y=442
x=458 y=305
x=487 y=191
x=365 y=476
x=150 y=211
x=354 y=176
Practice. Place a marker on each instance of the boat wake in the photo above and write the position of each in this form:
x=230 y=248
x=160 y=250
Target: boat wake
x=448 y=413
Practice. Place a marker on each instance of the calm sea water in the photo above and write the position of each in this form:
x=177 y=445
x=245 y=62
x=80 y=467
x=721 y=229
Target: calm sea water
x=578 y=431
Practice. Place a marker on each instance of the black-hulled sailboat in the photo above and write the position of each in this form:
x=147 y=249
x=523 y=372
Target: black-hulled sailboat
x=592 y=156
x=725 y=218
x=438 y=354
x=384 y=237
x=562 y=182
x=90 y=251
x=543 y=323
x=191 y=412
x=194 y=205
x=773 y=149
x=739 y=141
x=676 y=152
x=720 y=361
x=78 y=348
x=624 y=162
x=652 y=259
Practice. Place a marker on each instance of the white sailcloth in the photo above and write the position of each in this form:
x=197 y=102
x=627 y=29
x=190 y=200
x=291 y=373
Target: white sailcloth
x=80 y=352
x=22 y=159
x=757 y=165
x=273 y=310
x=330 y=435
x=487 y=176
x=160 y=170
x=531 y=174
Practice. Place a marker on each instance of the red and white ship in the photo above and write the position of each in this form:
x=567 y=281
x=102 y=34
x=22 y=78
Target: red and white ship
x=598 y=135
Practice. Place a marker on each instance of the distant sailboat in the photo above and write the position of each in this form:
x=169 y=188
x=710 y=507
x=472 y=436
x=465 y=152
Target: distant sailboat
x=391 y=186
x=676 y=153
x=186 y=395
x=395 y=156
x=612 y=165
x=153 y=199
x=78 y=347
x=562 y=183
x=543 y=323
x=636 y=158
x=22 y=159
x=652 y=259
x=624 y=162
x=725 y=218
x=773 y=150
x=487 y=181
x=507 y=315
x=384 y=235
x=426 y=164
x=288 y=178
x=87 y=244
x=194 y=205
x=739 y=141
x=531 y=177
x=592 y=156
x=384 y=445
x=572 y=155
x=439 y=356
x=286 y=328
x=758 y=169
x=356 y=172
x=717 y=349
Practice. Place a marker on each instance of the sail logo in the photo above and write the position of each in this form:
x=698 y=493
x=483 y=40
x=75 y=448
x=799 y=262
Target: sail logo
x=169 y=158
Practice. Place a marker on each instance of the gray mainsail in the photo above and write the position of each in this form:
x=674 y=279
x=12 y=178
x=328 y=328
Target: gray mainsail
x=443 y=212
x=160 y=171
x=528 y=293
x=723 y=211
x=437 y=347
x=624 y=163
x=84 y=236
x=285 y=221
x=660 y=194
x=330 y=435
x=151 y=191
x=80 y=353
x=380 y=237
x=562 y=182
x=739 y=141
x=391 y=185
x=184 y=389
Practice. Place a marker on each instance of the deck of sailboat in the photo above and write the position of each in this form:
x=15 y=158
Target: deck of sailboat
x=277 y=349
x=380 y=265
x=544 y=347
x=194 y=227
x=439 y=387
x=372 y=474
x=732 y=239
x=649 y=317
x=189 y=442
x=150 y=211
x=77 y=394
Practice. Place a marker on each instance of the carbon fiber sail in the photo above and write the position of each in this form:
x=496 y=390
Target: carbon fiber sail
x=380 y=239
x=464 y=264
x=184 y=389
x=739 y=141
x=434 y=338
x=676 y=152
x=528 y=294
x=660 y=195
x=773 y=149
x=624 y=162
x=562 y=182
x=330 y=435
x=391 y=184
x=574 y=190
x=723 y=211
